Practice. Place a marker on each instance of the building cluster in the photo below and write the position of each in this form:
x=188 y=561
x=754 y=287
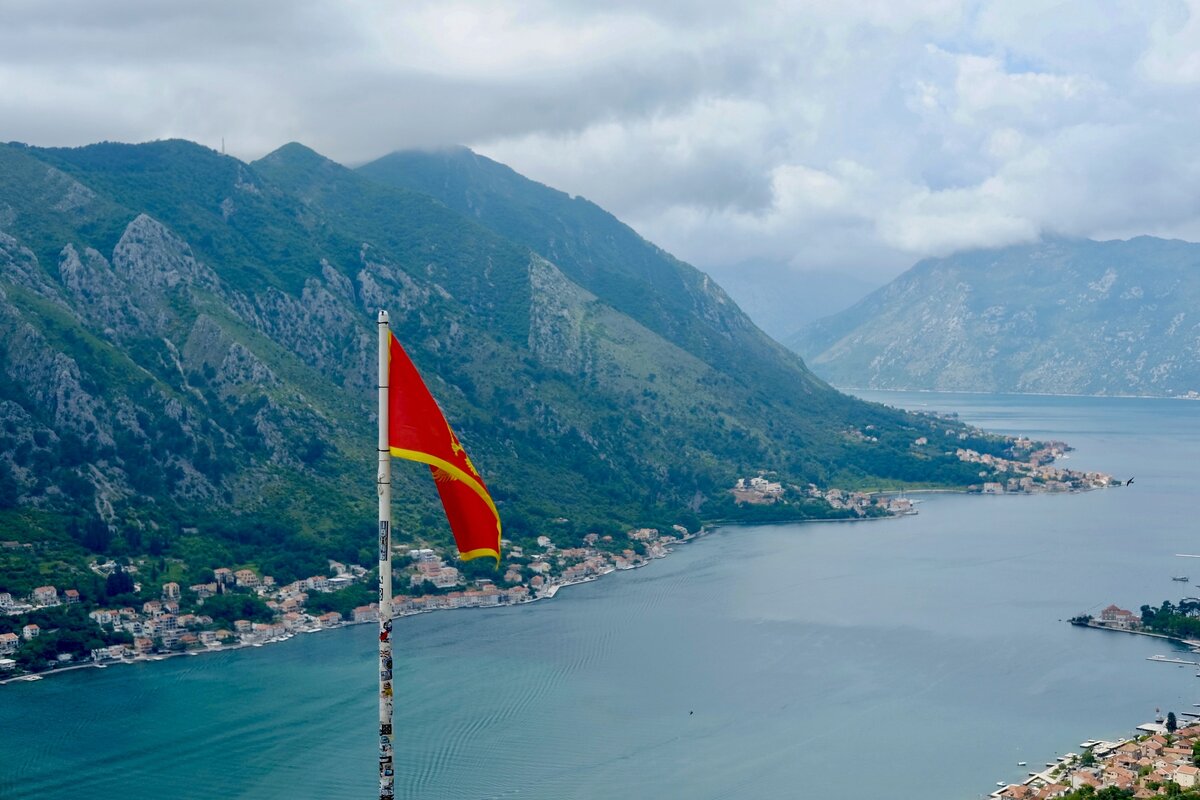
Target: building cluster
x=41 y=597
x=526 y=575
x=761 y=491
x=175 y=620
x=1146 y=765
x=161 y=625
x=1119 y=618
x=757 y=490
x=1035 y=475
x=861 y=503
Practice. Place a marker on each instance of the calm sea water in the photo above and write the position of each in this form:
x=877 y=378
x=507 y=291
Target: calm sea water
x=920 y=657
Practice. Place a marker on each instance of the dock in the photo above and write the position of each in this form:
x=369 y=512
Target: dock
x=1170 y=660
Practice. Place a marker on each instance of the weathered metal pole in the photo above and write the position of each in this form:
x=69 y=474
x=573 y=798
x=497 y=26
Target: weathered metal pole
x=387 y=773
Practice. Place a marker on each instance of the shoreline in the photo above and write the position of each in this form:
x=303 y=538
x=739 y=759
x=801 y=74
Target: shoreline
x=851 y=389
x=548 y=593
x=1190 y=644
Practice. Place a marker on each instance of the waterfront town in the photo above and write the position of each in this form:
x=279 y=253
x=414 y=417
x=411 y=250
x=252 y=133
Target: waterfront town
x=167 y=618
x=174 y=621
x=1037 y=473
x=1160 y=760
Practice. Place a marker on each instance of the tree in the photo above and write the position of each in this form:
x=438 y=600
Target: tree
x=1172 y=724
x=118 y=582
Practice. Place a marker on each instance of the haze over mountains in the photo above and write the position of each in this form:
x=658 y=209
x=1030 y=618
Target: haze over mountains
x=189 y=344
x=1065 y=316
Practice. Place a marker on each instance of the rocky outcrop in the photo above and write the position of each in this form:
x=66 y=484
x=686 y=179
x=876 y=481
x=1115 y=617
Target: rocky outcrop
x=152 y=260
x=557 y=310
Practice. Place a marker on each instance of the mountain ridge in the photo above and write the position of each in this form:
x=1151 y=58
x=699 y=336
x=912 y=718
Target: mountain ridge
x=1088 y=318
x=189 y=358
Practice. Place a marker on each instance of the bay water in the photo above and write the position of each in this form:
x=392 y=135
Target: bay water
x=920 y=657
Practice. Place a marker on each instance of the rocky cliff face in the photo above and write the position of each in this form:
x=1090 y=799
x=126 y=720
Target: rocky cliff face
x=1074 y=317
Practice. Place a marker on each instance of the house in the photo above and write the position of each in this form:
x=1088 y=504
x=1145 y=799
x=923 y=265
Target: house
x=366 y=614
x=330 y=619
x=246 y=577
x=113 y=653
x=6 y=600
x=9 y=642
x=1187 y=776
x=203 y=590
x=1119 y=618
x=223 y=576
x=31 y=631
x=102 y=616
x=170 y=591
x=45 y=596
x=143 y=645
x=152 y=607
x=242 y=625
x=72 y=596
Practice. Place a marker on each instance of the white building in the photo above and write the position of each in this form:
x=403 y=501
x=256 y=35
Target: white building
x=45 y=596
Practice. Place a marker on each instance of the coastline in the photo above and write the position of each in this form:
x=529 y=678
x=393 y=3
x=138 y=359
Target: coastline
x=1191 y=644
x=549 y=592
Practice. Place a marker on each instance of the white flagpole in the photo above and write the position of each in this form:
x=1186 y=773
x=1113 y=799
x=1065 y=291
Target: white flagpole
x=387 y=775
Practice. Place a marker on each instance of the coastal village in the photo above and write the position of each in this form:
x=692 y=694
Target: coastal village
x=171 y=619
x=174 y=622
x=1160 y=761
x=1037 y=473
x=1161 y=758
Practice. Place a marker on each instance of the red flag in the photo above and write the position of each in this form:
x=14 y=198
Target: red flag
x=418 y=431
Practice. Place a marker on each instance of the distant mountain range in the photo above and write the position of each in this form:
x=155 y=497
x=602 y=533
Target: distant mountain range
x=187 y=366
x=1059 y=317
x=782 y=301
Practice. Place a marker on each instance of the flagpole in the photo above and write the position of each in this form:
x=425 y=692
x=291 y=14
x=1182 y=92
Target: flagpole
x=387 y=775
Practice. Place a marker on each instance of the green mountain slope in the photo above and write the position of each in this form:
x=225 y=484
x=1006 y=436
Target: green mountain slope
x=600 y=253
x=1064 y=316
x=188 y=366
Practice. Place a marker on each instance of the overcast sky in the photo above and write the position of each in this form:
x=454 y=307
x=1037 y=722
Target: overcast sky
x=855 y=136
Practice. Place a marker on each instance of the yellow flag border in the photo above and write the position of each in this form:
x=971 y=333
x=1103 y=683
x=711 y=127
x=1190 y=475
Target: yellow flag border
x=458 y=474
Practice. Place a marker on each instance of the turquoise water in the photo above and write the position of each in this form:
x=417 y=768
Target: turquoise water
x=920 y=657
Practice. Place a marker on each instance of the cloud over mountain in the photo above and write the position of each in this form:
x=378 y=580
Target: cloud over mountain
x=811 y=135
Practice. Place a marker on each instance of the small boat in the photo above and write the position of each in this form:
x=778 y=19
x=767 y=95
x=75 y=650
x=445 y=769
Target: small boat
x=1180 y=578
x=1021 y=763
x=1001 y=784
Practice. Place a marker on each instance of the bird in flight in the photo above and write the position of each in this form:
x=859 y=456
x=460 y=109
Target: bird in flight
x=1129 y=482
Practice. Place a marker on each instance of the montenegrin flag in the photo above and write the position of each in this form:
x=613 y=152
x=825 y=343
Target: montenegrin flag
x=418 y=431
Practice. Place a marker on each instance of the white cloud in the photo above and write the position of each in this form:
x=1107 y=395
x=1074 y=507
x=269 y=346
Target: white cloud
x=812 y=134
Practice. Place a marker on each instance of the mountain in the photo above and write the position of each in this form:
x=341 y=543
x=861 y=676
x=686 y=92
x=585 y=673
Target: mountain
x=188 y=356
x=1061 y=317
x=782 y=301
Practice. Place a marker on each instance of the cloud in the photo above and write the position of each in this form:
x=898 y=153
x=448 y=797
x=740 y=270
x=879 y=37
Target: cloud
x=812 y=135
